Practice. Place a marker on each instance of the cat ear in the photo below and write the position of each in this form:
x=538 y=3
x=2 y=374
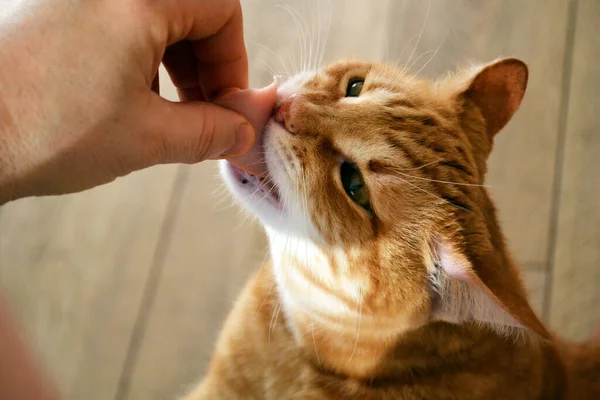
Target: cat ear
x=462 y=296
x=497 y=90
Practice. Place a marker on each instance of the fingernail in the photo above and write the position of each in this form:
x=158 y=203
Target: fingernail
x=244 y=139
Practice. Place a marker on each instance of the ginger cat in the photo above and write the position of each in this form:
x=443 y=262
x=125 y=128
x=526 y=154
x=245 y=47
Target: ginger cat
x=389 y=277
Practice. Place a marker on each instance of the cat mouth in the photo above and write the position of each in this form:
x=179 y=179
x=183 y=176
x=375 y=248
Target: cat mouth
x=260 y=188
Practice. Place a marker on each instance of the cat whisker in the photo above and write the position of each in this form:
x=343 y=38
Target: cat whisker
x=309 y=39
x=271 y=70
x=219 y=205
x=420 y=33
x=441 y=181
x=220 y=189
x=301 y=32
x=222 y=192
x=273 y=53
x=408 y=42
x=267 y=194
x=260 y=162
x=360 y=304
x=312 y=37
x=249 y=197
x=262 y=265
x=408 y=68
x=312 y=331
x=268 y=292
x=327 y=30
x=434 y=53
x=421 y=166
x=432 y=194
x=317 y=27
x=274 y=318
x=243 y=217
x=288 y=56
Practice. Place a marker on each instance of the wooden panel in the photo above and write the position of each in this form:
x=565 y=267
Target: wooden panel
x=574 y=307
x=536 y=282
x=333 y=28
x=522 y=164
x=209 y=258
x=74 y=269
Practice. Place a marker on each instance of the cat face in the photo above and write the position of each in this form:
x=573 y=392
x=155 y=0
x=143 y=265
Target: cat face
x=371 y=169
x=353 y=151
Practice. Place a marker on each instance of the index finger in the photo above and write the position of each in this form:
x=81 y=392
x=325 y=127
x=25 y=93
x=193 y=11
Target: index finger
x=215 y=30
x=222 y=58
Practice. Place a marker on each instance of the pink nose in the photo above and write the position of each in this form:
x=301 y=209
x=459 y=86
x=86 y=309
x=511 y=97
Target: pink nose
x=283 y=113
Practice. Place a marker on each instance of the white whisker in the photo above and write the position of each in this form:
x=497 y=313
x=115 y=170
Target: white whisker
x=420 y=33
x=312 y=331
x=440 y=181
x=433 y=55
x=360 y=303
x=431 y=194
x=273 y=321
x=273 y=53
x=301 y=33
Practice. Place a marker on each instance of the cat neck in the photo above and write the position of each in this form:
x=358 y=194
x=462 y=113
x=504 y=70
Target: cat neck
x=326 y=312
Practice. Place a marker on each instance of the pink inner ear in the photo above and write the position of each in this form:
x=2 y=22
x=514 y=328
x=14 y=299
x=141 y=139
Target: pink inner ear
x=498 y=90
x=454 y=264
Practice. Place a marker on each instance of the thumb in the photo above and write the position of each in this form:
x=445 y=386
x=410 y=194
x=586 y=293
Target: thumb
x=256 y=105
x=195 y=131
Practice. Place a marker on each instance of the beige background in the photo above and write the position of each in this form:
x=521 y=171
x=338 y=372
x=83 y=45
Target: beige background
x=122 y=289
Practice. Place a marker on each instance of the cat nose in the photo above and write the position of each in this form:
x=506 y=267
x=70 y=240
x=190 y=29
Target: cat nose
x=282 y=113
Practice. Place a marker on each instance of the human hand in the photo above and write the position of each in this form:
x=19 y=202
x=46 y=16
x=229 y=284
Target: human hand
x=76 y=103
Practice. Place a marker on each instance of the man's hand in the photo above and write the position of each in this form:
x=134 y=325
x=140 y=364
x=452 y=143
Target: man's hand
x=77 y=107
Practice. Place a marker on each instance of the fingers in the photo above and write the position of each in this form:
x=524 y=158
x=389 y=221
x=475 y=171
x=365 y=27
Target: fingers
x=222 y=58
x=181 y=64
x=257 y=106
x=213 y=55
x=193 y=132
x=156 y=85
x=205 y=56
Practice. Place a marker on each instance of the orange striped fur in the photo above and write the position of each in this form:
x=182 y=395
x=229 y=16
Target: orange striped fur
x=419 y=297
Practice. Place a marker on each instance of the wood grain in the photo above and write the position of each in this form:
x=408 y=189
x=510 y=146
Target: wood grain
x=74 y=269
x=208 y=259
x=575 y=297
x=536 y=282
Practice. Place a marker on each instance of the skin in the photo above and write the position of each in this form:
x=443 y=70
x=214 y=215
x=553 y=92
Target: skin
x=79 y=107
x=20 y=377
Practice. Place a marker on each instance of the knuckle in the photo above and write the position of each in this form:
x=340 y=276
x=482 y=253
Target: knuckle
x=203 y=142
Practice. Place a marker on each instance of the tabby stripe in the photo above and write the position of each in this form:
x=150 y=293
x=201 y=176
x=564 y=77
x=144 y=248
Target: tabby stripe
x=414 y=161
x=459 y=203
x=457 y=166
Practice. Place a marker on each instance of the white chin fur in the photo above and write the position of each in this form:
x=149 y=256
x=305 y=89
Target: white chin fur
x=287 y=217
x=290 y=216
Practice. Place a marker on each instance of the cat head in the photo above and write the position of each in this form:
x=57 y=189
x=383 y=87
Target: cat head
x=379 y=175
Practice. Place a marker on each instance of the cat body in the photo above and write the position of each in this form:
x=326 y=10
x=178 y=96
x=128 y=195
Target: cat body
x=389 y=277
x=257 y=357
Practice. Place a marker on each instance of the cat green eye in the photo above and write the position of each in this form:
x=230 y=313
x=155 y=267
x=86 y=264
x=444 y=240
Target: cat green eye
x=354 y=87
x=354 y=185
